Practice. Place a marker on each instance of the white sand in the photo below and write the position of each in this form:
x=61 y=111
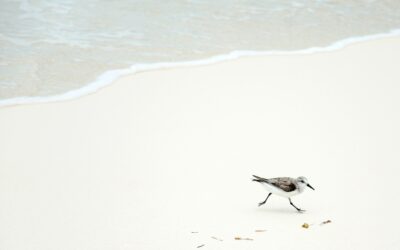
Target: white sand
x=141 y=164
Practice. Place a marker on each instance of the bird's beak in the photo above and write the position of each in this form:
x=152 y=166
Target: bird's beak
x=308 y=185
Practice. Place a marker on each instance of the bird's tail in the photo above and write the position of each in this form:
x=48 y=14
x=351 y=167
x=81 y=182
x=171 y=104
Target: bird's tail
x=257 y=178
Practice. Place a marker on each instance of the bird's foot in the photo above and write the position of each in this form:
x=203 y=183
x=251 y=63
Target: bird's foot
x=300 y=210
x=261 y=203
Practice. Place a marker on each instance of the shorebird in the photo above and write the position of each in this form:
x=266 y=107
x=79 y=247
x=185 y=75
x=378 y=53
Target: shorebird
x=284 y=186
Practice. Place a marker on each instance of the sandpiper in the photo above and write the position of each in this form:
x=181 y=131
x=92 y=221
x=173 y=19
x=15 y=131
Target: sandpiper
x=284 y=186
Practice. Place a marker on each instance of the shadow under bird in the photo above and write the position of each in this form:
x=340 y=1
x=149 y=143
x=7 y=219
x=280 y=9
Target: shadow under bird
x=284 y=187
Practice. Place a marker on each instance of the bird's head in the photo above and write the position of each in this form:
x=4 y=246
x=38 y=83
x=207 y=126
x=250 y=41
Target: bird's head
x=303 y=182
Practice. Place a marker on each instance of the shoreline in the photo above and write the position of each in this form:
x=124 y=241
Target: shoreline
x=109 y=77
x=161 y=154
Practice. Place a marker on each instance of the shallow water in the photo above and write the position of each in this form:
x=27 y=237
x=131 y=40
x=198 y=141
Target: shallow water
x=50 y=48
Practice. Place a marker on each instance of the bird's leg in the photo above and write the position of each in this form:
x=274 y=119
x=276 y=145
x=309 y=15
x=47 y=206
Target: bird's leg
x=298 y=209
x=262 y=203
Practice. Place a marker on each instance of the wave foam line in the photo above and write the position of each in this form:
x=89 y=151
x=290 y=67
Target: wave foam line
x=109 y=77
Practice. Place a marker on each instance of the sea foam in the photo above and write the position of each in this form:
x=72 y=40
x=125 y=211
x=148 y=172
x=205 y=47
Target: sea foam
x=110 y=76
x=59 y=50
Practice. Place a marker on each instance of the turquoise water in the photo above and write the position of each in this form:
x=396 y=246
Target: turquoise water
x=50 y=48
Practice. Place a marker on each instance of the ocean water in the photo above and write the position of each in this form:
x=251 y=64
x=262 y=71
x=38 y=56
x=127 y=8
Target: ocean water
x=51 y=50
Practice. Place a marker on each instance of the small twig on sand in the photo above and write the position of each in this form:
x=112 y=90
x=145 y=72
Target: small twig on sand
x=260 y=231
x=201 y=246
x=325 y=222
x=215 y=238
x=240 y=238
x=194 y=232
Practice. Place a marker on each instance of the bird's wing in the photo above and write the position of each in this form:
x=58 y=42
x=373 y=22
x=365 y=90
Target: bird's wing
x=284 y=183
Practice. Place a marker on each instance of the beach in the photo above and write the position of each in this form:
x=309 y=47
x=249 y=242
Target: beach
x=163 y=159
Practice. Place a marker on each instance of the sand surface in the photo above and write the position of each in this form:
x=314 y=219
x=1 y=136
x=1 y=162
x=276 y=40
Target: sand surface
x=158 y=155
